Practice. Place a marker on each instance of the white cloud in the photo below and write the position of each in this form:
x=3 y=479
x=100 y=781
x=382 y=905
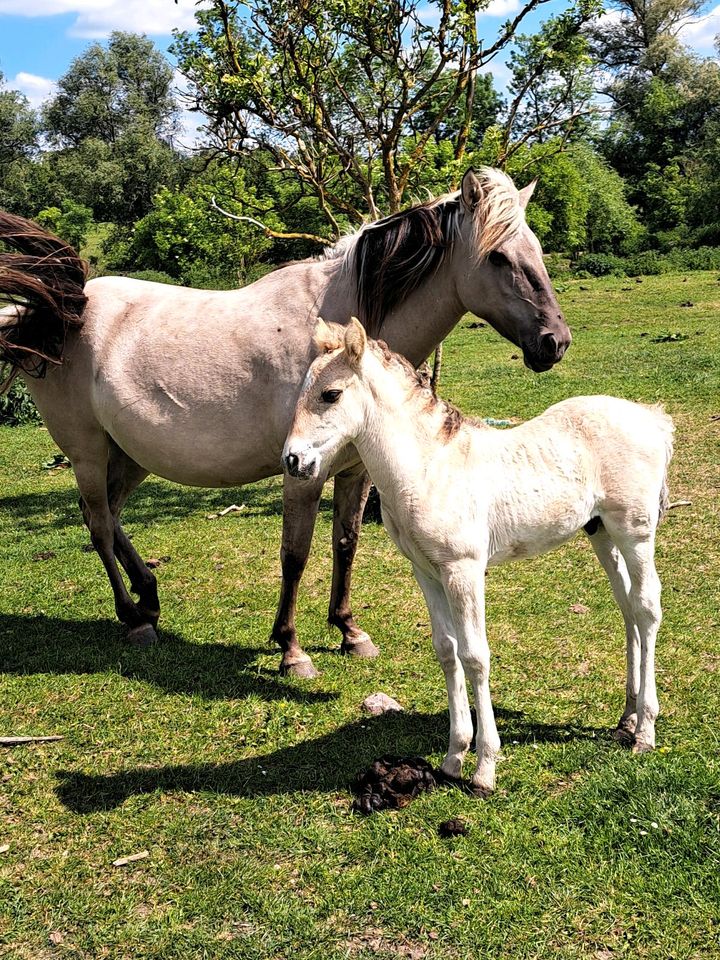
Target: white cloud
x=98 y=18
x=500 y=8
x=36 y=89
x=701 y=34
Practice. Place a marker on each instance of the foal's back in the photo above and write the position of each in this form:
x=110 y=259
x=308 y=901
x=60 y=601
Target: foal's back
x=584 y=457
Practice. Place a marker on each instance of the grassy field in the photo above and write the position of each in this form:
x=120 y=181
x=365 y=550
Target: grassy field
x=236 y=781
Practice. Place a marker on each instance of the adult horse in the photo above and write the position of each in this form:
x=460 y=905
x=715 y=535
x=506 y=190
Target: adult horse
x=197 y=386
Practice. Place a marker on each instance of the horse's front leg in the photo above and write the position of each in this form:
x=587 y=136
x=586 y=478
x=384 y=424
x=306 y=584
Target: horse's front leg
x=350 y=495
x=464 y=585
x=300 y=506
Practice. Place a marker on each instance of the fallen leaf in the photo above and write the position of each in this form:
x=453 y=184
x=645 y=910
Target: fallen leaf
x=4 y=848
x=56 y=937
x=44 y=555
x=579 y=608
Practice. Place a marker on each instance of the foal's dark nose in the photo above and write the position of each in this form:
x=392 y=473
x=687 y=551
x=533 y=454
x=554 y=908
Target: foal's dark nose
x=292 y=464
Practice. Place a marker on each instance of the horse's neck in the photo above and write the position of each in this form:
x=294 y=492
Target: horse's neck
x=428 y=315
x=415 y=327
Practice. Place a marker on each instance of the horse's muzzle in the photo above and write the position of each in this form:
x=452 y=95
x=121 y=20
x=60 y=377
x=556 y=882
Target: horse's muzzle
x=546 y=352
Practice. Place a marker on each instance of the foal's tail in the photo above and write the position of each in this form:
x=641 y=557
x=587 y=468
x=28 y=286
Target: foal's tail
x=42 y=279
x=667 y=430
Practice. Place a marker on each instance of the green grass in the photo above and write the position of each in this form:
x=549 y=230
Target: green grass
x=237 y=781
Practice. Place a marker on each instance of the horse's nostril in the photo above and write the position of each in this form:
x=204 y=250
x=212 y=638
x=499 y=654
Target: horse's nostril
x=292 y=464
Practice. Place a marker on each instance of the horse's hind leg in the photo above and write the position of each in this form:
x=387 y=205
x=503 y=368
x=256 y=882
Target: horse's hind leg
x=91 y=476
x=123 y=476
x=614 y=566
x=300 y=505
x=349 y=498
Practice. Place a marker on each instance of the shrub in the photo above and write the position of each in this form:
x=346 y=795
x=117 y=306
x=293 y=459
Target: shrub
x=17 y=407
x=600 y=265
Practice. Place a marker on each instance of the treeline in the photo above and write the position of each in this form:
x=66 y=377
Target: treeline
x=321 y=114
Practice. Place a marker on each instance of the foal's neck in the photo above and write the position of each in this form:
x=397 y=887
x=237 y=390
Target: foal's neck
x=405 y=428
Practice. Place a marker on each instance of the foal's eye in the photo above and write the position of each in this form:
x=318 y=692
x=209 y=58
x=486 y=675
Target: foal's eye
x=330 y=396
x=498 y=259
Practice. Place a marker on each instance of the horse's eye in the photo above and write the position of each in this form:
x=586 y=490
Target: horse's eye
x=330 y=396
x=498 y=259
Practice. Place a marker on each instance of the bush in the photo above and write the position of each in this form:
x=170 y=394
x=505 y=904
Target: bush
x=155 y=276
x=600 y=265
x=17 y=407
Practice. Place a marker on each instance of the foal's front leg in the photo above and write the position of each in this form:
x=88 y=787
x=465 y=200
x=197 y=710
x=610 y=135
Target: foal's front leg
x=444 y=641
x=349 y=498
x=301 y=500
x=464 y=585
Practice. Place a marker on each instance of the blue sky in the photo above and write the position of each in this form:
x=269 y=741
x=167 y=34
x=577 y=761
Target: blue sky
x=39 y=38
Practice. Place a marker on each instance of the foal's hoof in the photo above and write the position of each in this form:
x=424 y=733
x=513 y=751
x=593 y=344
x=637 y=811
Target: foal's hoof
x=363 y=647
x=299 y=668
x=642 y=746
x=143 y=636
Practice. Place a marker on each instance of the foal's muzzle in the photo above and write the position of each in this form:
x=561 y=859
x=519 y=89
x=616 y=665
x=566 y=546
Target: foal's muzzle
x=301 y=463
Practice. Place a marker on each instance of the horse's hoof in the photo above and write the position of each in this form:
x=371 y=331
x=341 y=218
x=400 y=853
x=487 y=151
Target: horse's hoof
x=142 y=636
x=624 y=733
x=481 y=792
x=299 y=668
x=363 y=648
x=642 y=746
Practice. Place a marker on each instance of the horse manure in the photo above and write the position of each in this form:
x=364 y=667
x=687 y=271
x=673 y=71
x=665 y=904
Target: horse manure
x=392 y=783
x=455 y=827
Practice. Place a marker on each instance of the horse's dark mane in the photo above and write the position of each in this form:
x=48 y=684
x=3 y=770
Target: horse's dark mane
x=45 y=280
x=394 y=256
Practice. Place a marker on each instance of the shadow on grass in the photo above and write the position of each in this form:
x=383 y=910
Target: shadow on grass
x=40 y=644
x=325 y=764
x=153 y=500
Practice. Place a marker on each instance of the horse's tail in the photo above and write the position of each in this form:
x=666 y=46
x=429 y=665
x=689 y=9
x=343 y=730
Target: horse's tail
x=42 y=279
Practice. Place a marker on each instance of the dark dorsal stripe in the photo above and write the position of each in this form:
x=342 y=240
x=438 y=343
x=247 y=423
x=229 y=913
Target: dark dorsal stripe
x=394 y=256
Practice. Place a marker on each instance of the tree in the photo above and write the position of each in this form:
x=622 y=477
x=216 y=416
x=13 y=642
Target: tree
x=112 y=121
x=109 y=90
x=348 y=96
x=18 y=144
x=70 y=220
x=183 y=238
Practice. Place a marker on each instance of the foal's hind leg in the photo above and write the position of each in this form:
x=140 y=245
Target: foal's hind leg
x=614 y=566
x=301 y=500
x=350 y=496
x=643 y=598
x=91 y=476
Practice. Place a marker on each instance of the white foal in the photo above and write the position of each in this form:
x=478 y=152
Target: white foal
x=458 y=496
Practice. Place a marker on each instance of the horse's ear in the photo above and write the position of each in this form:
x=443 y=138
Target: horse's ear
x=526 y=193
x=355 y=342
x=471 y=190
x=324 y=339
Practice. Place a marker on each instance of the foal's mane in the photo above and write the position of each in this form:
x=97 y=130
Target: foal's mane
x=393 y=257
x=417 y=383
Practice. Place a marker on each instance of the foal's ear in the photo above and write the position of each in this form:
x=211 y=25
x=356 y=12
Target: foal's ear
x=471 y=190
x=324 y=338
x=526 y=193
x=355 y=342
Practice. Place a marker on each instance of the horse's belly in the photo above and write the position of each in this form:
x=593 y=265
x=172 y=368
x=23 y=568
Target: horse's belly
x=203 y=449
